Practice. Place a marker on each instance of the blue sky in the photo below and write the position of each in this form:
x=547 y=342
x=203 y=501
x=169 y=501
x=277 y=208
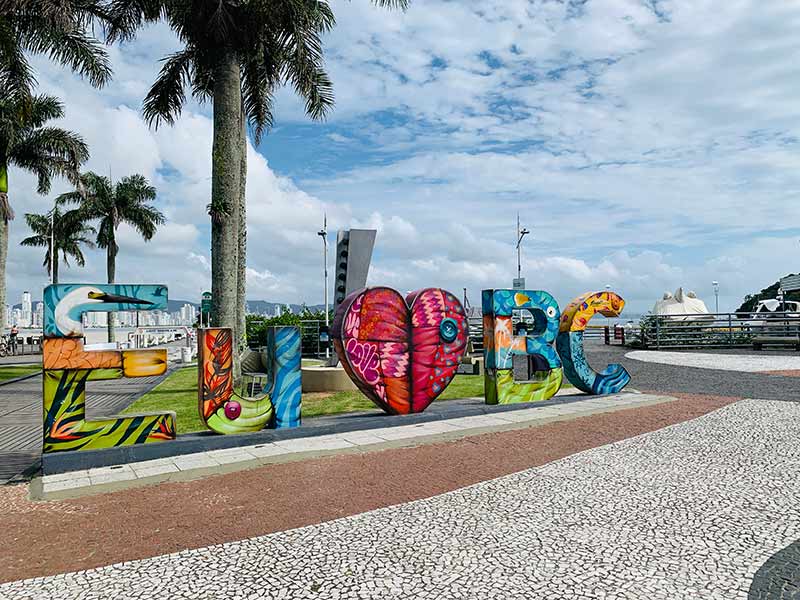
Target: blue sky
x=647 y=145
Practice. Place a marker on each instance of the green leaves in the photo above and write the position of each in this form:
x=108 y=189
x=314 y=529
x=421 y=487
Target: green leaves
x=60 y=29
x=128 y=201
x=69 y=233
x=26 y=141
x=277 y=43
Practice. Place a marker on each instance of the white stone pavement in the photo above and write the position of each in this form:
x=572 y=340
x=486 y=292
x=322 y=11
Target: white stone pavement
x=687 y=512
x=187 y=466
x=748 y=363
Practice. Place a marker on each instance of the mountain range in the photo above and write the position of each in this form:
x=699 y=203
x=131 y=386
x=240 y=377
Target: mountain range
x=261 y=307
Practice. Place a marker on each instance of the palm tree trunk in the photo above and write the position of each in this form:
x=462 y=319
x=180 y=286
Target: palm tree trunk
x=111 y=271
x=4 y=218
x=225 y=190
x=241 y=287
x=55 y=267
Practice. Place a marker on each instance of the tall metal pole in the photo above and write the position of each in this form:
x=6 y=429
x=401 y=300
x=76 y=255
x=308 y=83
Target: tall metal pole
x=324 y=235
x=519 y=252
x=716 y=296
x=52 y=244
x=521 y=233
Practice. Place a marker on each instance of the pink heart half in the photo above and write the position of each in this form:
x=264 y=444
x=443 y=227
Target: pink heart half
x=401 y=352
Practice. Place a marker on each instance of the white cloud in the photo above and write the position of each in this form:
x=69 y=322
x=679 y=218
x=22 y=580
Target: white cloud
x=646 y=149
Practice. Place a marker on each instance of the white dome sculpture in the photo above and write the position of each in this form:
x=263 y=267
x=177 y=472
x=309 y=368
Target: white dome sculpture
x=682 y=307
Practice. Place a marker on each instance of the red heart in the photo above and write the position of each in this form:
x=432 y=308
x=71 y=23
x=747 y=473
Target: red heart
x=402 y=353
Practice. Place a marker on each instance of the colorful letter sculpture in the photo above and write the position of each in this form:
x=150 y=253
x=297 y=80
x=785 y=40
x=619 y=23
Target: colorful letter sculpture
x=401 y=353
x=570 y=344
x=224 y=411
x=536 y=329
x=68 y=365
x=531 y=340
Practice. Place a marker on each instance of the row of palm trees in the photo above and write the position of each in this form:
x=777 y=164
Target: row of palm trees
x=235 y=54
x=98 y=202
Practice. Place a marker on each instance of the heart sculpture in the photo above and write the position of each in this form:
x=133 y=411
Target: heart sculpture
x=401 y=352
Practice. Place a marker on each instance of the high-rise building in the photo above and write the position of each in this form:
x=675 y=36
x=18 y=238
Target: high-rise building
x=27 y=312
x=38 y=316
x=188 y=314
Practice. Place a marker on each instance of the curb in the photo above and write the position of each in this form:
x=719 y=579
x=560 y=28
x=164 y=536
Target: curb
x=21 y=378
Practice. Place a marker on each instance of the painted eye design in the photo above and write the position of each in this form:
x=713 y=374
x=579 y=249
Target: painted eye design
x=448 y=330
x=551 y=311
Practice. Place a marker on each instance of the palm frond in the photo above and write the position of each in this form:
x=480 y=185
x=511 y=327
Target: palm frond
x=49 y=151
x=165 y=99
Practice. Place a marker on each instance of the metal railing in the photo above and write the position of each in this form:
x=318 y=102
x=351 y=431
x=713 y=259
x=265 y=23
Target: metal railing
x=592 y=332
x=25 y=344
x=720 y=330
x=309 y=336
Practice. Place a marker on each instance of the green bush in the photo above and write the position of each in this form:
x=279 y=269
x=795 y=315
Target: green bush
x=257 y=326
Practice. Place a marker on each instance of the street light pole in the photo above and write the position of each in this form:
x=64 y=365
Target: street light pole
x=716 y=296
x=521 y=233
x=52 y=243
x=323 y=233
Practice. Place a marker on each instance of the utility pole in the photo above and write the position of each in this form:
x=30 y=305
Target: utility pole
x=716 y=296
x=323 y=233
x=52 y=244
x=521 y=233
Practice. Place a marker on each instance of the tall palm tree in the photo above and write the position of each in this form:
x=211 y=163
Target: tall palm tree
x=127 y=201
x=66 y=231
x=236 y=53
x=61 y=29
x=28 y=143
x=64 y=31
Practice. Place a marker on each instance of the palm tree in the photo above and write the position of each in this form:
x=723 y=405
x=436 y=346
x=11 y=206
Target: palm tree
x=67 y=231
x=61 y=29
x=126 y=202
x=28 y=143
x=236 y=53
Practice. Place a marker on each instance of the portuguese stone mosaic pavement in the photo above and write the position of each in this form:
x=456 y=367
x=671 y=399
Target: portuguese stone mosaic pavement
x=691 y=511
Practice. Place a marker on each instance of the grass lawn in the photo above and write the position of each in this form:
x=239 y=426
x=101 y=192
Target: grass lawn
x=12 y=371
x=179 y=393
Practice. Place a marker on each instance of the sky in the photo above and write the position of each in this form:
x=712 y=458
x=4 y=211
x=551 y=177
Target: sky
x=646 y=144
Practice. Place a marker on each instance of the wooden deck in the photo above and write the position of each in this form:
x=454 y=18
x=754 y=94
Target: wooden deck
x=21 y=416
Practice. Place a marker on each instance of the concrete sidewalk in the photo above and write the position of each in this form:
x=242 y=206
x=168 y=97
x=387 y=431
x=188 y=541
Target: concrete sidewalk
x=705 y=509
x=192 y=466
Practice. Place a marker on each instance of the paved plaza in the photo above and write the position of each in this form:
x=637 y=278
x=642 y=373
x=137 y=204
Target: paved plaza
x=746 y=363
x=690 y=511
x=392 y=434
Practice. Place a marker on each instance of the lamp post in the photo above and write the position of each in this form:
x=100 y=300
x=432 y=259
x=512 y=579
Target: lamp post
x=716 y=296
x=52 y=244
x=521 y=233
x=323 y=233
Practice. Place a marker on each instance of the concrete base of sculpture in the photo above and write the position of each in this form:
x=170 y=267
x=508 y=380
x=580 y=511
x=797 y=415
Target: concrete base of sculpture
x=326 y=379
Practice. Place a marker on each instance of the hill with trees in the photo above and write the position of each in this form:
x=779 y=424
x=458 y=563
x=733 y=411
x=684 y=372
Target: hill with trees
x=751 y=300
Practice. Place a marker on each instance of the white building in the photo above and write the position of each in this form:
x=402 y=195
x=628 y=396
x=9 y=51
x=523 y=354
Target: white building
x=188 y=314
x=27 y=310
x=38 y=316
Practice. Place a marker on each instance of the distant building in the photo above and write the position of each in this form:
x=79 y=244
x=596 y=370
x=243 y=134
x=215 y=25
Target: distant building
x=38 y=316
x=26 y=318
x=188 y=314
